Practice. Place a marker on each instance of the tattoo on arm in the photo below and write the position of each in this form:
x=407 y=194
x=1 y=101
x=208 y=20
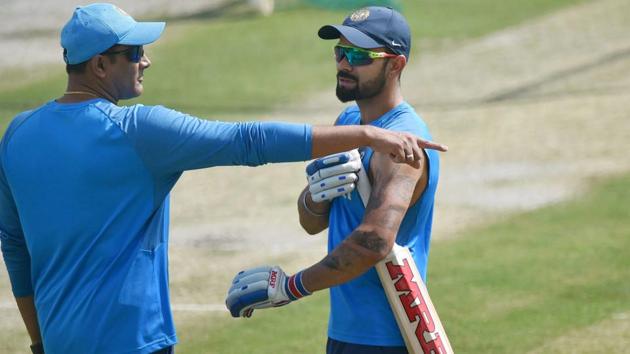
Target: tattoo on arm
x=332 y=262
x=369 y=240
x=390 y=220
x=341 y=258
x=391 y=194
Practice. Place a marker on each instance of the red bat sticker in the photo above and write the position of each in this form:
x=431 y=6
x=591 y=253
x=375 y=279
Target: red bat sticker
x=410 y=295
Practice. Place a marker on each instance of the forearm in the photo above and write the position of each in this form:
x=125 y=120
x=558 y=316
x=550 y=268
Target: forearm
x=26 y=305
x=370 y=242
x=263 y=142
x=328 y=140
x=256 y=143
x=313 y=216
x=353 y=257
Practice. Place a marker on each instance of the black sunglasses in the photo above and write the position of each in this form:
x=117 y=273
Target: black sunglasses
x=134 y=53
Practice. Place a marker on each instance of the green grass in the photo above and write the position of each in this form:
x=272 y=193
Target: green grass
x=299 y=328
x=236 y=67
x=506 y=288
x=538 y=275
x=460 y=19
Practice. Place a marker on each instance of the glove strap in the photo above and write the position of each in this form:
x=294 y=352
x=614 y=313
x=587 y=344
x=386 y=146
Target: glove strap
x=294 y=287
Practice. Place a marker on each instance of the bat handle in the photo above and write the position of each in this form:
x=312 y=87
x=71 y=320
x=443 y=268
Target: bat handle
x=363 y=183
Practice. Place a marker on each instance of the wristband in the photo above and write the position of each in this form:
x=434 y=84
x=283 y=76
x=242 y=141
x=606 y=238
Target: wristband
x=294 y=288
x=309 y=210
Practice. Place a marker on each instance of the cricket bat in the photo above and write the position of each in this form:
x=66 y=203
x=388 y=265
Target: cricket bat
x=408 y=297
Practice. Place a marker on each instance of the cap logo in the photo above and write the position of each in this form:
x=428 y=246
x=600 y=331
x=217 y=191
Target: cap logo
x=360 y=15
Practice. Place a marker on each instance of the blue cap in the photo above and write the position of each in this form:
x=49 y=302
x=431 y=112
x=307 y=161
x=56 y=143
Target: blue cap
x=373 y=27
x=95 y=28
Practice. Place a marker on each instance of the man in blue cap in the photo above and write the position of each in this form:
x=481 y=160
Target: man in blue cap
x=371 y=53
x=85 y=183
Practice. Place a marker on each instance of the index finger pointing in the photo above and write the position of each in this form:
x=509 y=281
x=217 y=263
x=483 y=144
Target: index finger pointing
x=426 y=144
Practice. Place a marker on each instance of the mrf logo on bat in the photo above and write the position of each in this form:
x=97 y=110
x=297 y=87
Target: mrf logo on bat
x=416 y=307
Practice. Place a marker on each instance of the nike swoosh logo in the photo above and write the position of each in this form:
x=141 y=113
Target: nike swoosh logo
x=396 y=44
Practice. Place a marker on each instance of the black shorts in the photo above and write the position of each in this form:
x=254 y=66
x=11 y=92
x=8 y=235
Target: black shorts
x=167 y=350
x=39 y=349
x=337 y=347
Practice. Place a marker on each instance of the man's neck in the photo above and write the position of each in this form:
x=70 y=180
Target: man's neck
x=375 y=107
x=78 y=91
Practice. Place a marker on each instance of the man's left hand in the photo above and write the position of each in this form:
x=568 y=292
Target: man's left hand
x=332 y=176
x=263 y=287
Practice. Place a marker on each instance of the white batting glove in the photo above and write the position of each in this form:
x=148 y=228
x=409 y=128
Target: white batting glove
x=333 y=175
x=263 y=287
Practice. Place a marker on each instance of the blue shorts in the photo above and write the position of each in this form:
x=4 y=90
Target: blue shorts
x=337 y=347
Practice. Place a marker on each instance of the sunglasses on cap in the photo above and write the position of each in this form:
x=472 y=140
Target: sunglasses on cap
x=134 y=53
x=358 y=56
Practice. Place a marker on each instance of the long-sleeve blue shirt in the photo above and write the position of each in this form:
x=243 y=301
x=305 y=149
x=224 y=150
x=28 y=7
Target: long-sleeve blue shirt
x=84 y=212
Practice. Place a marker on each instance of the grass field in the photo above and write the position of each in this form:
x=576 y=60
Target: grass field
x=234 y=68
x=507 y=288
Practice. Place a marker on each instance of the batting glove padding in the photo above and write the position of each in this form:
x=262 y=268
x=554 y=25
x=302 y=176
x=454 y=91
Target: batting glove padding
x=334 y=175
x=263 y=287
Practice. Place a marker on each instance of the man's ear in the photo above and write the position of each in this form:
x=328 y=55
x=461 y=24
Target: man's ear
x=396 y=66
x=98 y=64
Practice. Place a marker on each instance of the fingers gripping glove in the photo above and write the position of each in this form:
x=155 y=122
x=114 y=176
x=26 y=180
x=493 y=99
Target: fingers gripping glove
x=263 y=287
x=334 y=175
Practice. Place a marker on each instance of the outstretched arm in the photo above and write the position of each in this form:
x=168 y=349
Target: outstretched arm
x=401 y=147
x=170 y=142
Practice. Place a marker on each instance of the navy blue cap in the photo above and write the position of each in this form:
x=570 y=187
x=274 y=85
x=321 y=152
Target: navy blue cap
x=373 y=27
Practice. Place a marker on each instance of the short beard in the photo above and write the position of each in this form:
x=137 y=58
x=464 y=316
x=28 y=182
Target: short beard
x=363 y=91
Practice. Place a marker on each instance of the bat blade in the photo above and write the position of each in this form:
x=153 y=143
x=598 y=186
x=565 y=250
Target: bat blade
x=408 y=297
x=413 y=309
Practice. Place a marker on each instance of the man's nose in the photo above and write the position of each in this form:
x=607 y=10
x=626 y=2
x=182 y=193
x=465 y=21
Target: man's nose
x=344 y=65
x=145 y=61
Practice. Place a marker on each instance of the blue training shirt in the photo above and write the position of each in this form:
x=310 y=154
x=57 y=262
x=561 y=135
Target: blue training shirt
x=360 y=313
x=84 y=212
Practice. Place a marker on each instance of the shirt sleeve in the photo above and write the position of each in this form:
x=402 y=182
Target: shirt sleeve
x=171 y=142
x=14 y=251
